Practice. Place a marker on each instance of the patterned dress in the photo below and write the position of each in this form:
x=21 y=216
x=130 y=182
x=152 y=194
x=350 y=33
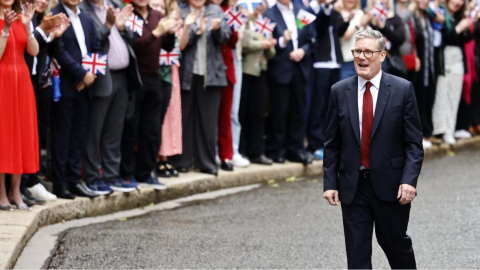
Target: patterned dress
x=18 y=113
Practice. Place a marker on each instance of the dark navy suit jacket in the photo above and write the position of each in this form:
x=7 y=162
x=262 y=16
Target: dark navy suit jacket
x=280 y=68
x=68 y=53
x=396 y=151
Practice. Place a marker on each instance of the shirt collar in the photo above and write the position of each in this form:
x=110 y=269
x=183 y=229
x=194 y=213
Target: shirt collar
x=283 y=7
x=375 y=81
x=98 y=7
x=70 y=12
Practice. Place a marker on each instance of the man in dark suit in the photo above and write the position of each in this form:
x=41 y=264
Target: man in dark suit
x=287 y=77
x=69 y=115
x=327 y=59
x=110 y=97
x=373 y=156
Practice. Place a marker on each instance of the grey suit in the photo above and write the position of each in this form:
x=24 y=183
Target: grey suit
x=110 y=95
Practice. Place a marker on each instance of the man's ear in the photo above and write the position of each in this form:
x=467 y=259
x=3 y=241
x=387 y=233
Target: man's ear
x=383 y=54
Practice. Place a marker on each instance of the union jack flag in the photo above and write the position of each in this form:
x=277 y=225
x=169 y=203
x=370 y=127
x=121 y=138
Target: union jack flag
x=96 y=63
x=264 y=26
x=136 y=24
x=380 y=11
x=235 y=18
x=169 y=58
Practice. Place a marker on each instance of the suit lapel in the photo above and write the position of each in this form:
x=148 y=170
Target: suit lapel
x=89 y=10
x=382 y=99
x=352 y=98
x=70 y=28
x=279 y=20
x=86 y=31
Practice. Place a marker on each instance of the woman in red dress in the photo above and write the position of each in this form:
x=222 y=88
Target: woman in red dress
x=18 y=117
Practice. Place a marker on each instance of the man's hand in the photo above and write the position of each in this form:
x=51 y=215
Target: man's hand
x=89 y=78
x=122 y=16
x=58 y=32
x=287 y=36
x=297 y=55
x=110 y=21
x=418 y=64
x=332 y=197
x=50 y=22
x=215 y=24
x=406 y=193
x=80 y=86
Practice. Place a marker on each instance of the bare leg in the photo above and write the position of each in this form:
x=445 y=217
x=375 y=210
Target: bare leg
x=163 y=158
x=15 y=189
x=3 y=191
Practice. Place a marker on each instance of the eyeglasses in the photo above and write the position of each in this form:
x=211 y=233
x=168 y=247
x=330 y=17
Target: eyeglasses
x=367 y=54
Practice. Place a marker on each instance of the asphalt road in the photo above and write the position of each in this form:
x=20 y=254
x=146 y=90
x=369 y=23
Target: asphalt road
x=289 y=226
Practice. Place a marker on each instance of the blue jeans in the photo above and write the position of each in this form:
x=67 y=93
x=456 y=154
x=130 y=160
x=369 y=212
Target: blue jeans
x=237 y=91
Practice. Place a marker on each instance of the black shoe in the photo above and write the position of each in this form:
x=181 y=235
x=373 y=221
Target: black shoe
x=30 y=197
x=298 y=156
x=310 y=157
x=63 y=192
x=80 y=190
x=162 y=170
x=171 y=169
x=183 y=169
x=27 y=200
x=277 y=158
x=262 y=160
x=227 y=165
x=209 y=171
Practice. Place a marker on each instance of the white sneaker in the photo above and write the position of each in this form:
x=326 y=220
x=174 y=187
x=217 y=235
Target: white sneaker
x=39 y=191
x=239 y=161
x=426 y=144
x=449 y=139
x=462 y=134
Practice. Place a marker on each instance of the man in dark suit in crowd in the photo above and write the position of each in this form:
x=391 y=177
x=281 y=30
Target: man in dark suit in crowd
x=287 y=77
x=373 y=156
x=69 y=115
x=110 y=97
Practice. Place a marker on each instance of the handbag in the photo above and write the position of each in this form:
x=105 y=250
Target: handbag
x=395 y=65
x=410 y=59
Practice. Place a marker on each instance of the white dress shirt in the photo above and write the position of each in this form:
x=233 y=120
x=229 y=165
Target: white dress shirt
x=77 y=28
x=291 y=22
x=373 y=90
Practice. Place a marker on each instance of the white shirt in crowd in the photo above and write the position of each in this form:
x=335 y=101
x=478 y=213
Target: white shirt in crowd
x=290 y=20
x=373 y=90
x=77 y=28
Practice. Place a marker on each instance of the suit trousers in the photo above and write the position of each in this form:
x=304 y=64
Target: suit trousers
x=225 y=140
x=252 y=115
x=391 y=222
x=425 y=99
x=475 y=105
x=106 y=118
x=199 y=123
x=286 y=115
x=143 y=131
x=318 y=97
x=68 y=125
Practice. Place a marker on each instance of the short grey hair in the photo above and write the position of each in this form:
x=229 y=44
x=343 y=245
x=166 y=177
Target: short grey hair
x=373 y=34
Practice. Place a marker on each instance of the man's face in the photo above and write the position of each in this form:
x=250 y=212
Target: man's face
x=71 y=3
x=365 y=67
x=285 y=2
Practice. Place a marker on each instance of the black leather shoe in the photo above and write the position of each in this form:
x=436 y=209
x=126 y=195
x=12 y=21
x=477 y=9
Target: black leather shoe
x=82 y=191
x=172 y=170
x=26 y=193
x=262 y=160
x=298 y=156
x=209 y=171
x=183 y=169
x=162 y=170
x=226 y=165
x=310 y=157
x=63 y=193
x=278 y=159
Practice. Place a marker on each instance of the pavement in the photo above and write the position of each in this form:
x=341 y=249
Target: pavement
x=17 y=228
x=285 y=226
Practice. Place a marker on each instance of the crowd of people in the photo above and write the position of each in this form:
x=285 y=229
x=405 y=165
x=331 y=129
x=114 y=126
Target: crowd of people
x=187 y=91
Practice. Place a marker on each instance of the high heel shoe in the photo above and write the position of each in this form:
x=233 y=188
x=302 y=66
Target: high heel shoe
x=6 y=208
x=21 y=206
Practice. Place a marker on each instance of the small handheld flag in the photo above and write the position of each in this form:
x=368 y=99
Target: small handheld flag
x=304 y=18
x=474 y=12
x=249 y=5
x=126 y=2
x=136 y=24
x=235 y=18
x=56 y=85
x=95 y=63
x=169 y=58
x=264 y=26
x=380 y=11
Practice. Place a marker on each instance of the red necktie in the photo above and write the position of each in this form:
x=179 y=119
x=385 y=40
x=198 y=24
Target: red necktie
x=367 y=124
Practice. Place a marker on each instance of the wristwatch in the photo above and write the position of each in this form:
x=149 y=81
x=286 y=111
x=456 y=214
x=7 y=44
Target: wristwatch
x=5 y=34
